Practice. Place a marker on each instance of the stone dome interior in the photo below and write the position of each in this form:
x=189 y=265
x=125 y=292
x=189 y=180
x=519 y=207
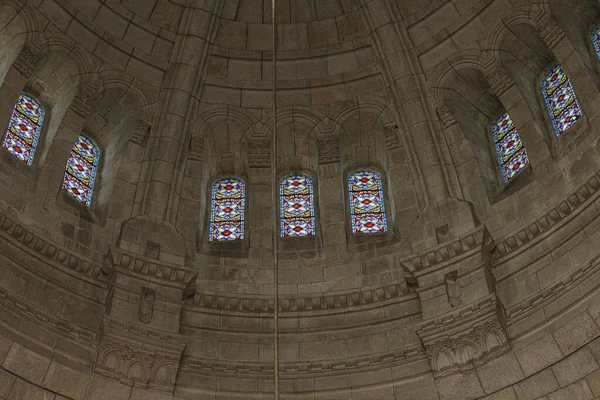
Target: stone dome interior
x=410 y=213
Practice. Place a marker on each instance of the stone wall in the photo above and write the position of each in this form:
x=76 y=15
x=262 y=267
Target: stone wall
x=479 y=290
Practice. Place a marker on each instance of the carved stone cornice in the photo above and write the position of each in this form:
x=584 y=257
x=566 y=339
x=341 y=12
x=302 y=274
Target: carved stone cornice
x=136 y=355
x=457 y=339
x=566 y=210
x=51 y=252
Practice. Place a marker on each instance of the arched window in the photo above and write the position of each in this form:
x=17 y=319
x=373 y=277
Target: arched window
x=297 y=208
x=596 y=40
x=227 y=210
x=80 y=173
x=512 y=156
x=367 y=211
x=24 y=128
x=561 y=101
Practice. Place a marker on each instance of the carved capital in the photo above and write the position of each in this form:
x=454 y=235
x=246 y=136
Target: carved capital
x=499 y=81
x=259 y=153
x=550 y=32
x=329 y=150
x=196 y=148
x=85 y=99
x=141 y=132
x=27 y=61
x=446 y=117
x=391 y=136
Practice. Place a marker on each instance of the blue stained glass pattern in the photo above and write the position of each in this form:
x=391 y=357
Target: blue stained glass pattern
x=367 y=211
x=596 y=40
x=227 y=210
x=512 y=156
x=24 y=127
x=563 y=107
x=296 y=206
x=81 y=170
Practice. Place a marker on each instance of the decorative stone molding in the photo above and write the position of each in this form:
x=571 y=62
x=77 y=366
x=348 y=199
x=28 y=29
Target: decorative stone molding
x=446 y=117
x=468 y=335
x=141 y=132
x=329 y=150
x=259 y=153
x=499 y=81
x=565 y=210
x=196 y=148
x=138 y=356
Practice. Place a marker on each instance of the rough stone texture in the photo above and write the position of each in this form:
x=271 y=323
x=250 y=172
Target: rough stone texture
x=479 y=289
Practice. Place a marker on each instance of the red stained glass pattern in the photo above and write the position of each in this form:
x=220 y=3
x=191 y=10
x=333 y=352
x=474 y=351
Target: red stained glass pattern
x=512 y=156
x=227 y=210
x=367 y=211
x=80 y=173
x=561 y=101
x=24 y=127
x=297 y=210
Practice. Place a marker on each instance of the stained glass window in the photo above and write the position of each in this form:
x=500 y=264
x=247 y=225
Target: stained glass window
x=297 y=209
x=80 y=173
x=596 y=40
x=227 y=210
x=367 y=211
x=24 y=128
x=512 y=156
x=561 y=101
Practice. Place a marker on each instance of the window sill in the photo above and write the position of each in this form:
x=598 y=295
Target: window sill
x=95 y=216
x=358 y=242
x=233 y=248
x=311 y=246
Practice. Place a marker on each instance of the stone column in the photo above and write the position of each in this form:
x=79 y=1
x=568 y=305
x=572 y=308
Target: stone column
x=408 y=90
x=157 y=194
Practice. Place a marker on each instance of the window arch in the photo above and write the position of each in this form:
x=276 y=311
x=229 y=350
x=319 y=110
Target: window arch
x=596 y=40
x=227 y=210
x=80 y=173
x=24 y=127
x=367 y=209
x=296 y=206
x=512 y=156
x=561 y=100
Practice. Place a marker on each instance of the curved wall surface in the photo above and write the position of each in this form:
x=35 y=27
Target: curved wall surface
x=479 y=289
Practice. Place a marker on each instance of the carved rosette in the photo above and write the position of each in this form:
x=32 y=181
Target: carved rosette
x=499 y=81
x=329 y=150
x=137 y=356
x=471 y=334
x=446 y=117
x=259 y=153
x=551 y=33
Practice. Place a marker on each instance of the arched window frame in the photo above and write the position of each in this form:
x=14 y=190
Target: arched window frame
x=289 y=225
x=85 y=156
x=380 y=215
x=562 y=117
x=216 y=222
x=24 y=128
x=595 y=38
x=510 y=152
